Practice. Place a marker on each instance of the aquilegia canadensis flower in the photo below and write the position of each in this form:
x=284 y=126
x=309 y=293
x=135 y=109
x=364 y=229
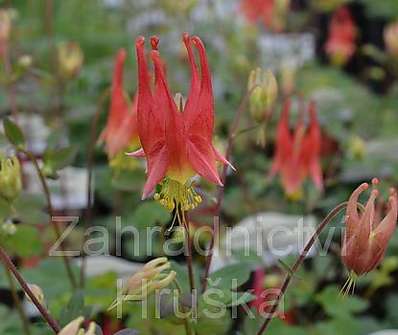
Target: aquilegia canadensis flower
x=271 y=12
x=176 y=139
x=298 y=153
x=340 y=45
x=366 y=237
x=121 y=131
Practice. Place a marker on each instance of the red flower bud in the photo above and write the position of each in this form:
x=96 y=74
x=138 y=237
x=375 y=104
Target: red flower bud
x=366 y=238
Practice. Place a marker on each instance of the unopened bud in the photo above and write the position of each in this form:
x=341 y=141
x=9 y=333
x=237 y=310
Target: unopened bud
x=391 y=38
x=153 y=276
x=37 y=292
x=70 y=59
x=8 y=228
x=73 y=327
x=288 y=77
x=25 y=61
x=10 y=178
x=264 y=91
x=5 y=24
x=356 y=147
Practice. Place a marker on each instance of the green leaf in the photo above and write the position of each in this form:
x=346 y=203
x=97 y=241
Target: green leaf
x=231 y=276
x=74 y=308
x=14 y=133
x=56 y=159
x=29 y=208
x=25 y=242
x=149 y=214
x=336 y=305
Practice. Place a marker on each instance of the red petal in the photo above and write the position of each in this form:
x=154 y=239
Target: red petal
x=200 y=117
x=175 y=134
x=284 y=141
x=202 y=158
x=157 y=166
x=194 y=90
x=150 y=126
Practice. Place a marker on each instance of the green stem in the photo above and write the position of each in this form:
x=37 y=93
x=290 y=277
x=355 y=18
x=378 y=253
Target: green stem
x=90 y=167
x=17 y=302
x=54 y=224
x=233 y=132
x=188 y=245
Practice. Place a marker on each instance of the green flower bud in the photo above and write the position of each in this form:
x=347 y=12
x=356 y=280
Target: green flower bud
x=10 y=178
x=70 y=59
x=264 y=91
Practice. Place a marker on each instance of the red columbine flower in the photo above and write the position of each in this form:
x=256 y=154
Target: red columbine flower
x=312 y=148
x=340 y=45
x=297 y=153
x=176 y=138
x=271 y=12
x=121 y=129
x=366 y=237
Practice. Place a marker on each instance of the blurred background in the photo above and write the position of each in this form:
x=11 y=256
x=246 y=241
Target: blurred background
x=57 y=63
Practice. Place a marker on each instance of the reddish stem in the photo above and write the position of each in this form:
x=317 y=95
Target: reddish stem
x=289 y=275
x=46 y=315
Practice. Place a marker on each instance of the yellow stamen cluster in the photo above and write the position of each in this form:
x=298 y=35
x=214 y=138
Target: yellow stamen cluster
x=176 y=195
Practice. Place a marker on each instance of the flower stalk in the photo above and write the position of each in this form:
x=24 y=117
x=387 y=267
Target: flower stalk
x=17 y=302
x=233 y=132
x=43 y=311
x=55 y=226
x=289 y=275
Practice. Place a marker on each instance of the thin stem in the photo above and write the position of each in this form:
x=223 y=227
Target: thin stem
x=220 y=192
x=46 y=315
x=187 y=327
x=17 y=302
x=90 y=165
x=188 y=245
x=289 y=275
x=54 y=224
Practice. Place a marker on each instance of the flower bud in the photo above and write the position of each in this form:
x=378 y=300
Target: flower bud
x=288 y=78
x=366 y=237
x=155 y=275
x=356 y=147
x=25 y=61
x=391 y=39
x=5 y=29
x=37 y=292
x=10 y=178
x=73 y=327
x=8 y=228
x=70 y=59
x=264 y=91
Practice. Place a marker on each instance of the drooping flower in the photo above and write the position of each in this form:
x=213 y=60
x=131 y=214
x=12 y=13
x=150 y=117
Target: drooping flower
x=121 y=131
x=340 y=45
x=297 y=153
x=366 y=237
x=272 y=13
x=391 y=38
x=176 y=139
